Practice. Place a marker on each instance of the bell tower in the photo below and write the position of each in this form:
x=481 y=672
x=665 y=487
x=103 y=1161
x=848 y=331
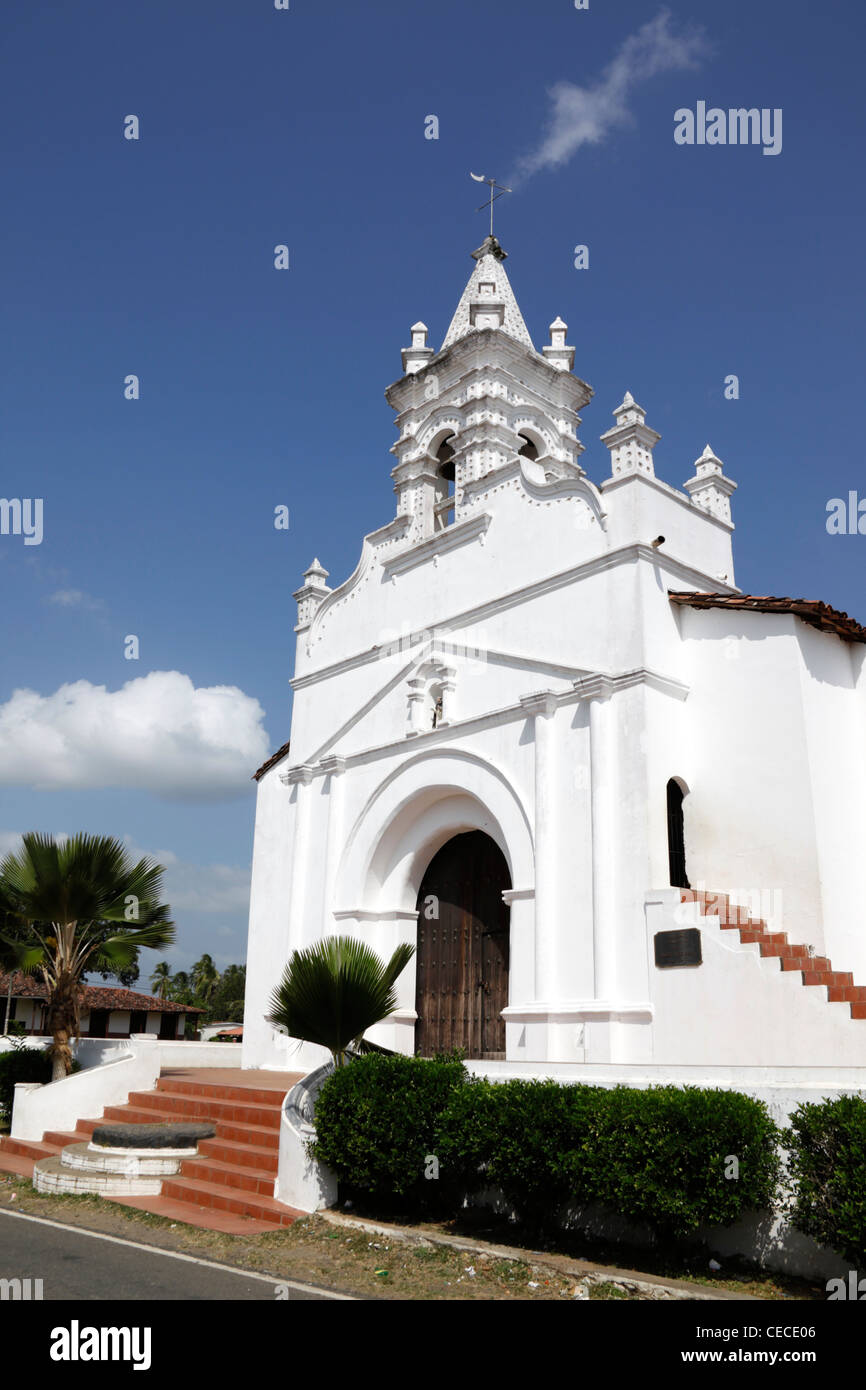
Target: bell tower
x=486 y=398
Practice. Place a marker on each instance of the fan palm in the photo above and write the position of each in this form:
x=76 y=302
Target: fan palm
x=64 y=893
x=331 y=993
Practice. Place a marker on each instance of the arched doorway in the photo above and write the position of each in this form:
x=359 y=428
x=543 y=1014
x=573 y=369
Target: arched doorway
x=462 y=959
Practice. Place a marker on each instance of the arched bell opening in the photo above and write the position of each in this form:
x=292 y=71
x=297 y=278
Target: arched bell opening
x=446 y=474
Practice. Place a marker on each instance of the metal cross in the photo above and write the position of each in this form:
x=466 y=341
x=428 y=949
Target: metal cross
x=480 y=178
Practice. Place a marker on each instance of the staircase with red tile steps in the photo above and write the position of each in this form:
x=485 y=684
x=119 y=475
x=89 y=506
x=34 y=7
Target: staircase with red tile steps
x=814 y=970
x=228 y=1186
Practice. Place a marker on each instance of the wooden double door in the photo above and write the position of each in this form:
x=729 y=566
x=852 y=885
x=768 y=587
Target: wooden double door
x=463 y=946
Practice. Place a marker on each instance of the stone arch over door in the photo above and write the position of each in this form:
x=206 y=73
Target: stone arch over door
x=431 y=798
x=463 y=949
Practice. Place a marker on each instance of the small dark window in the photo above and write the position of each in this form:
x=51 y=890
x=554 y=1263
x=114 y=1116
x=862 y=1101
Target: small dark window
x=676 y=836
x=138 y=1022
x=167 y=1026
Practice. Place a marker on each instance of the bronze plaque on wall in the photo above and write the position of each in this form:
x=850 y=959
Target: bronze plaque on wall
x=678 y=947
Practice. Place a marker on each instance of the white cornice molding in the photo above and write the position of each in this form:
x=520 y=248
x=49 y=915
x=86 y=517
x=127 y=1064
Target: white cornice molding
x=576 y=1009
x=611 y=559
x=394 y=530
x=299 y=775
x=460 y=533
x=650 y=480
x=599 y=685
x=363 y=914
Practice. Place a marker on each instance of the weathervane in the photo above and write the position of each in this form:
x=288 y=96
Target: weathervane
x=480 y=178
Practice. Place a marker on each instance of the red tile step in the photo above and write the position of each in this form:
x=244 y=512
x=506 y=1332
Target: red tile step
x=204 y=1108
x=792 y=957
x=204 y=1218
x=248 y=1155
x=201 y=1193
x=252 y=1095
x=228 y=1186
x=208 y=1169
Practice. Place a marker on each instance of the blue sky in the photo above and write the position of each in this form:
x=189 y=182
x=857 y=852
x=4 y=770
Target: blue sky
x=261 y=387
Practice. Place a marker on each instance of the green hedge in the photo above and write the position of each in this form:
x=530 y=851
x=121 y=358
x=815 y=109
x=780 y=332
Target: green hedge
x=23 y=1064
x=376 y=1123
x=662 y=1155
x=827 y=1162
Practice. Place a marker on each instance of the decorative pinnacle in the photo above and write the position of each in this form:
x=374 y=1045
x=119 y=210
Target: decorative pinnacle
x=490 y=247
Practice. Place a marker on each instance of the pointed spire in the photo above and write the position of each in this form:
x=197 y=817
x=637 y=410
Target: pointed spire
x=419 y=354
x=316 y=570
x=557 y=353
x=488 y=299
x=311 y=594
x=709 y=489
x=631 y=441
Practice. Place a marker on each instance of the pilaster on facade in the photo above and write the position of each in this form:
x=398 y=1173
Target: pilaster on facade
x=541 y=706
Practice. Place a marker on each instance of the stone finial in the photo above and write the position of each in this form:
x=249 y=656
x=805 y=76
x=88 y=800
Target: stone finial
x=709 y=489
x=489 y=247
x=557 y=353
x=310 y=595
x=631 y=441
x=419 y=354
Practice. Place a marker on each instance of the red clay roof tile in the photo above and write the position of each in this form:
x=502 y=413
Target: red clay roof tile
x=812 y=611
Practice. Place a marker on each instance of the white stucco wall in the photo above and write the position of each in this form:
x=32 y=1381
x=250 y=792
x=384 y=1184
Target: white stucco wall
x=573 y=690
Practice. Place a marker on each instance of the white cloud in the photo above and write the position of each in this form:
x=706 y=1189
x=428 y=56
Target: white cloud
x=158 y=733
x=74 y=598
x=587 y=115
x=200 y=887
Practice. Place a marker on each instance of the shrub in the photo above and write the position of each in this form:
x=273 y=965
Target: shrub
x=376 y=1121
x=21 y=1064
x=663 y=1156
x=657 y=1156
x=533 y=1140
x=827 y=1147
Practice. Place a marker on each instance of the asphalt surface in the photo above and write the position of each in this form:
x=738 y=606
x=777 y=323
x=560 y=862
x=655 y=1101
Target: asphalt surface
x=75 y=1265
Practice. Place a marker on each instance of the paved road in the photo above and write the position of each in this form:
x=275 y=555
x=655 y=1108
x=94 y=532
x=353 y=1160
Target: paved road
x=73 y=1264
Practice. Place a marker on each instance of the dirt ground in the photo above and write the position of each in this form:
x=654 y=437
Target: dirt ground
x=366 y=1264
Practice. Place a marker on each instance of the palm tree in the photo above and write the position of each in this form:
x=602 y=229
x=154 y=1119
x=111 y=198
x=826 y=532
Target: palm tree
x=179 y=988
x=63 y=894
x=205 y=977
x=331 y=993
x=160 y=979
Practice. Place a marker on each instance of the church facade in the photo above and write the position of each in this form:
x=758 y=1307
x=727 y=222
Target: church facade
x=616 y=803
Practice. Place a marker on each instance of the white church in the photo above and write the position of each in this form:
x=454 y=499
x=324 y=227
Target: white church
x=618 y=805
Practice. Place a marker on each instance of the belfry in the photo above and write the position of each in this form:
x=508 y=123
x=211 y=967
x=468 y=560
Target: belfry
x=589 y=762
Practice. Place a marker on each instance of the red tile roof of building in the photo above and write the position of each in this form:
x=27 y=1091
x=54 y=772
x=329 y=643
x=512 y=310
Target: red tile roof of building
x=812 y=611
x=266 y=766
x=97 y=996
